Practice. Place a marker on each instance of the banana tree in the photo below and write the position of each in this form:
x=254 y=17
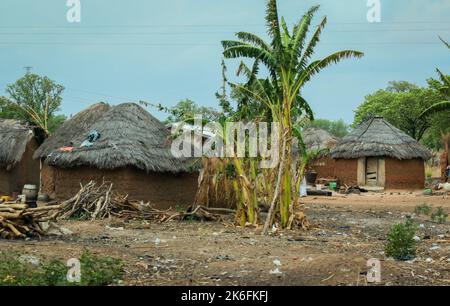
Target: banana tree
x=287 y=56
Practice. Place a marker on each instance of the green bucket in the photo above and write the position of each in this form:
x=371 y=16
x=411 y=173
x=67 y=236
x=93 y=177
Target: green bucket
x=333 y=185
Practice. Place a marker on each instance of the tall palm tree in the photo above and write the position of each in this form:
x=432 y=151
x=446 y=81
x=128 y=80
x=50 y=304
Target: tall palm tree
x=287 y=56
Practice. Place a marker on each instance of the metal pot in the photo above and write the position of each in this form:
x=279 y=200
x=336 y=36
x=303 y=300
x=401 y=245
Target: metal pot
x=30 y=192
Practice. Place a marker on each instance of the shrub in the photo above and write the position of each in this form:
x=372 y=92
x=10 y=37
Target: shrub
x=440 y=216
x=401 y=244
x=423 y=209
x=99 y=271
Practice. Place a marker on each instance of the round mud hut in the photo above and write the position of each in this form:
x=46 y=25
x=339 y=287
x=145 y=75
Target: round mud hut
x=17 y=167
x=377 y=154
x=319 y=140
x=122 y=144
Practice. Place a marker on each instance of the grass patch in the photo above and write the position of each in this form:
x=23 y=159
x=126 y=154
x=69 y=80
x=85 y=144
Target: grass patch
x=423 y=209
x=440 y=216
x=26 y=270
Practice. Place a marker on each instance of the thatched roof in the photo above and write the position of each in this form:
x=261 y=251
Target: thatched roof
x=14 y=138
x=130 y=136
x=377 y=137
x=318 y=139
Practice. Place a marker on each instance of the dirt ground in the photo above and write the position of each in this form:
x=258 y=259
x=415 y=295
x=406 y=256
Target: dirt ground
x=347 y=231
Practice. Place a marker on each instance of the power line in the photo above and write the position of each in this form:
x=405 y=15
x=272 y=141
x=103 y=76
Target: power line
x=204 y=33
x=213 y=25
x=118 y=44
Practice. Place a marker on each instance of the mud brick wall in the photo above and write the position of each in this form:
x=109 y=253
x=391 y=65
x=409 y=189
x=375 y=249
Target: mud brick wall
x=405 y=174
x=324 y=166
x=346 y=170
x=25 y=172
x=5 y=179
x=163 y=190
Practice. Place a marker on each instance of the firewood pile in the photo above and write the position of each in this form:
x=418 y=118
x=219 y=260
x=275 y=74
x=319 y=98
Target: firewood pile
x=100 y=202
x=92 y=202
x=20 y=221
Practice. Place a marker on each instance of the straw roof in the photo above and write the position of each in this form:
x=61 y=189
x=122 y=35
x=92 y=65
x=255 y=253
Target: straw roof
x=377 y=137
x=129 y=136
x=318 y=139
x=14 y=138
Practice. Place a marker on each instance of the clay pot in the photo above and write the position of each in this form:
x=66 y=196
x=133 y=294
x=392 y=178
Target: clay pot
x=42 y=197
x=30 y=192
x=311 y=177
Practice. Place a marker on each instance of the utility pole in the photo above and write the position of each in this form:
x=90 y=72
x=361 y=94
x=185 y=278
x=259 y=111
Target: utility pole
x=28 y=69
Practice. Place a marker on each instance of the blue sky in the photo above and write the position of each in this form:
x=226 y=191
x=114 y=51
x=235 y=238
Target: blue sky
x=164 y=51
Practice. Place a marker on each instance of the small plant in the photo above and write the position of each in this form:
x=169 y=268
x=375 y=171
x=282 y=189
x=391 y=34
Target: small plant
x=440 y=216
x=429 y=173
x=423 y=209
x=401 y=244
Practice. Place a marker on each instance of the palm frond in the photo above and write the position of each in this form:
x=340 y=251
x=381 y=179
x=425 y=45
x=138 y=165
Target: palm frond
x=445 y=79
x=309 y=50
x=318 y=65
x=249 y=51
x=286 y=37
x=253 y=94
x=254 y=39
x=302 y=104
x=301 y=31
x=273 y=24
x=445 y=43
x=436 y=108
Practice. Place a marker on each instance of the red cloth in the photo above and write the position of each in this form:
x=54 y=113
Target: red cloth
x=65 y=149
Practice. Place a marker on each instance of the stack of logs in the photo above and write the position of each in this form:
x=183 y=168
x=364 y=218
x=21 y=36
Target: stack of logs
x=92 y=202
x=20 y=221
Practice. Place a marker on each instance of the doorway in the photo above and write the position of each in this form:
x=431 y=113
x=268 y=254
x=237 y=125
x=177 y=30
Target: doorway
x=371 y=171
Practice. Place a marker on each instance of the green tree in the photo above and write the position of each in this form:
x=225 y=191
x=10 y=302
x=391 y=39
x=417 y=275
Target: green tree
x=287 y=57
x=7 y=111
x=186 y=109
x=402 y=104
x=34 y=99
x=337 y=128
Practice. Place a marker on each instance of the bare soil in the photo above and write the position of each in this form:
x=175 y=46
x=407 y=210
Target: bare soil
x=347 y=231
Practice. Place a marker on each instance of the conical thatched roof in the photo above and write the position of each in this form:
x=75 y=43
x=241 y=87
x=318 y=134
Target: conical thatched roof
x=77 y=125
x=377 y=137
x=130 y=136
x=14 y=138
x=318 y=139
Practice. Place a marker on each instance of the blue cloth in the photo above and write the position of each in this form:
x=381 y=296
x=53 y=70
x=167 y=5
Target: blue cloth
x=92 y=137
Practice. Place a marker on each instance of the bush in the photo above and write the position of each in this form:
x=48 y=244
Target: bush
x=423 y=209
x=440 y=216
x=401 y=244
x=99 y=271
x=95 y=271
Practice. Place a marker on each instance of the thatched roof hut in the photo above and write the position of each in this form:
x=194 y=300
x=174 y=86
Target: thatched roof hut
x=129 y=136
x=378 y=154
x=17 y=145
x=131 y=149
x=14 y=138
x=377 y=137
x=318 y=139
